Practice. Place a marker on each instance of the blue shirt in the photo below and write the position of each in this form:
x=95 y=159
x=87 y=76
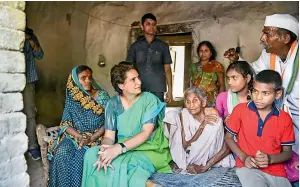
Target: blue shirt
x=150 y=60
x=30 y=56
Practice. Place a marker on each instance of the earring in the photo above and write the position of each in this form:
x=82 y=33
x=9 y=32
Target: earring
x=249 y=95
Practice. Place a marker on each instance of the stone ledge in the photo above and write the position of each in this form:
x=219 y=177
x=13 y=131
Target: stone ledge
x=11 y=39
x=20 y=5
x=11 y=102
x=12 y=62
x=12 y=18
x=11 y=124
x=12 y=82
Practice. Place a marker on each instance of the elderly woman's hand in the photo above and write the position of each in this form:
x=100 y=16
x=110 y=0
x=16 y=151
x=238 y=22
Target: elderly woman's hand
x=211 y=111
x=211 y=116
x=211 y=119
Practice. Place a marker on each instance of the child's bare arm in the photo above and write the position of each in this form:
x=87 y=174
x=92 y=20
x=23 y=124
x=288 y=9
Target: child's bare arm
x=285 y=155
x=263 y=160
x=246 y=159
x=234 y=147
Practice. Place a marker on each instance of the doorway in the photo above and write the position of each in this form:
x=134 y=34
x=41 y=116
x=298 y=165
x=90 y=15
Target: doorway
x=180 y=48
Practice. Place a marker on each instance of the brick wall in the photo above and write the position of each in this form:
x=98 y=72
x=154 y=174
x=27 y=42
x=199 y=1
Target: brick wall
x=13 y=140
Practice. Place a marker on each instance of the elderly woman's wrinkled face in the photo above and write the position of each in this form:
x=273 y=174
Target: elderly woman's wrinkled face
x=193 y=104
x=132 y=84
x=204 y=53
x=85 y=79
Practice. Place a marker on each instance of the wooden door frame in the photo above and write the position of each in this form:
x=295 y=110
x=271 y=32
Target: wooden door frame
x=166 y=29
x=172 y=29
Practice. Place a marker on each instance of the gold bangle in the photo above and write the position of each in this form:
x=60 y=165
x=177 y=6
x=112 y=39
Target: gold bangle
x=77 y=138
x=84 y=136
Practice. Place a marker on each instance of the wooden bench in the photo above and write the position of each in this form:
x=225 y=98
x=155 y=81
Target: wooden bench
x=44 y=135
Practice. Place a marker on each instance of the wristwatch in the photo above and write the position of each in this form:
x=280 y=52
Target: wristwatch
x=124 y=148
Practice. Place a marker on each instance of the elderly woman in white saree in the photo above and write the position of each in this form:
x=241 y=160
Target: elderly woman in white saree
x=196 y=136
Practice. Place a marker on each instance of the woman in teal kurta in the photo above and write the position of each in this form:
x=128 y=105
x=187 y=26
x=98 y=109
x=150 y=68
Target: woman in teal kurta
x=137 y=119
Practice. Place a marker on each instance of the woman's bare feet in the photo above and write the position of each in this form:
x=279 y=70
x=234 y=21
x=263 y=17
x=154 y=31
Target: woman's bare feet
x=173 y=165
x=149 y=183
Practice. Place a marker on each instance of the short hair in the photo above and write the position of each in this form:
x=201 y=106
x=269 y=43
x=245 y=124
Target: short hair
x=198 y=91
x=211 y=48
x=28 y=31
x=82 y=68
x=118 y=74
x=285 y=31
x=148 y=16
x=270 y=77
x=243 y=68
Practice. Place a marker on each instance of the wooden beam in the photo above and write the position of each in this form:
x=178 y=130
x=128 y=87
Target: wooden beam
x=167 y=29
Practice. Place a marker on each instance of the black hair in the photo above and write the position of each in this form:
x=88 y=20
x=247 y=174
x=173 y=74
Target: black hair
x=82 y=68
x=285 y=31
x=270 y=77
x=28 y=31
x=243 y=68
x=211 y=48
x=118 y=74
x=148 y=16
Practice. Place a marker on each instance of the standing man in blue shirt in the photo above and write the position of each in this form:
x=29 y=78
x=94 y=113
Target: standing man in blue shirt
x=32 y=51
x=152 y=59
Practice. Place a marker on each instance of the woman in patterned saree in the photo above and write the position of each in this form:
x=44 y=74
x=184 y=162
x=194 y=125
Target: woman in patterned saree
x=208 y=73
x=82 y=126
x=141 y=147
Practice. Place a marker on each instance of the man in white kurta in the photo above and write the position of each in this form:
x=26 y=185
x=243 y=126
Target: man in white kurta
x=280 y=35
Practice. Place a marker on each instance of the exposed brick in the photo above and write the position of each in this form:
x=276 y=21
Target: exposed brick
x=11 y=102
x=11 y=39
x=12 y=167
x=21 y=180
x=12 y=18
x=13 y=146
x=20 y=5
x=12 y=123
x=16 y=145
x=12 y=62
x=12 y=82
x=13 y=140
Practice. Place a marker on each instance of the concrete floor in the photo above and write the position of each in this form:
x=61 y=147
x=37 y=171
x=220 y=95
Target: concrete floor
x=35 y=171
